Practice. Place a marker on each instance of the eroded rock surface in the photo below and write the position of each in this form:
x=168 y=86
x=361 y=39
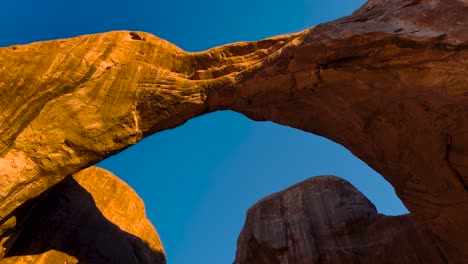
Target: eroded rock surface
x=327 y=220
x=90 y=217
x=388 y=82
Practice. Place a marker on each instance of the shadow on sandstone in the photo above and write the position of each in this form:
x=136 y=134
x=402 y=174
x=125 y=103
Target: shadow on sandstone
x=65 y=218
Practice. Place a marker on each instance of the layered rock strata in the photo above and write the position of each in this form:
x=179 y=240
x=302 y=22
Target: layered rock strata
x=388 y=82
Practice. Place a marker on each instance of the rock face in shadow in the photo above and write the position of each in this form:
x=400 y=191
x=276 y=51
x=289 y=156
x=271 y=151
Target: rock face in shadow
x=326 y=220
x=91 y=217
x=388 y=82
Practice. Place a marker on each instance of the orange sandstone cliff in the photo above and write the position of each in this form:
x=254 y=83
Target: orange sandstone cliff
x=388 y=82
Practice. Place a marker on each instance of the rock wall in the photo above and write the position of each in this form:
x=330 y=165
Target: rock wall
x=388 y=82
x=327 y=220
x=90 y=217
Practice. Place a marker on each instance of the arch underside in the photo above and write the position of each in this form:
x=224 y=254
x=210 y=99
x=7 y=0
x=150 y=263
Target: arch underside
x=385 y=82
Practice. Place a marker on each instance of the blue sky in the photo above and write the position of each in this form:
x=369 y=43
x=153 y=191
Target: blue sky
x=198 y=180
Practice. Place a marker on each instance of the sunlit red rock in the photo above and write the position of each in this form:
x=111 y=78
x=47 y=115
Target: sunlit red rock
x=388 y=82
x=90 y=217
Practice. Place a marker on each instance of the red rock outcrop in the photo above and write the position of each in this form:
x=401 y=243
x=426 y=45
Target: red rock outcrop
x=90 y=217
x=388 y=82
x=326 y=220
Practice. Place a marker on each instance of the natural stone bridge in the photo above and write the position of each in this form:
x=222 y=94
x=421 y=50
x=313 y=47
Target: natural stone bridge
x=386 y=82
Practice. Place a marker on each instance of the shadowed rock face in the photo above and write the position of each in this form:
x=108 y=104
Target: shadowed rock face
x=326 y=220
x=91 y=217
x=388 y=82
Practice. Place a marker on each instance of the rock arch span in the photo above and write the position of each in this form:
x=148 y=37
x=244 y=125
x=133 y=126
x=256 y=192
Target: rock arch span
x=386 y=82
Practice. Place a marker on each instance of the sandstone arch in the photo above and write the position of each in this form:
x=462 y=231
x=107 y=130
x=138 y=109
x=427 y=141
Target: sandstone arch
x=386 y=82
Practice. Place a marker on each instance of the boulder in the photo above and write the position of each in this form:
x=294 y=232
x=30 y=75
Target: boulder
x=90 y=217
x=327 y=220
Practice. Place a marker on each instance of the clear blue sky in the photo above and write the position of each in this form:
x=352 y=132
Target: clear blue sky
x=198 y=180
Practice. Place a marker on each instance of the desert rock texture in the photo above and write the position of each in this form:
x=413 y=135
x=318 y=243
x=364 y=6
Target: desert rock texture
x=327 y=220
x=90 y=217
x=388 y=82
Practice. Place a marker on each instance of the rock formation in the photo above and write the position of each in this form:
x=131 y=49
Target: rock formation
x=388 y=82
x=91 y=217
x=326 y=220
